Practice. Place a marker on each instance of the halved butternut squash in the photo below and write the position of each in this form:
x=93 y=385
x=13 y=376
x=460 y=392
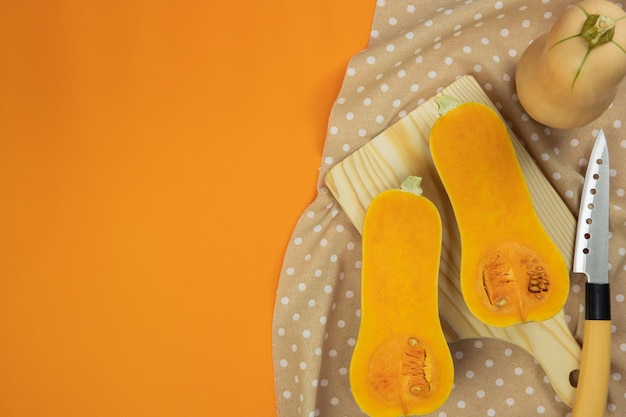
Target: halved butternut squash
x=401 y=364
x=511 y=270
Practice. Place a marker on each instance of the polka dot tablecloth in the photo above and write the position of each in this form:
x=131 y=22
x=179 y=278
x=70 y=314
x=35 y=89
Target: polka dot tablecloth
x=415 y=49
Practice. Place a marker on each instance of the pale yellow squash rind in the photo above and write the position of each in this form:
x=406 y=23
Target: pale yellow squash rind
x=560 y=81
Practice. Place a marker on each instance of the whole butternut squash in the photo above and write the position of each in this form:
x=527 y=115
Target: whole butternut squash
x=568 y=77
x=401 y=364
x=511 y=270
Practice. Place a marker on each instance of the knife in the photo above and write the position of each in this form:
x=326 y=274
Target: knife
x=591 y=259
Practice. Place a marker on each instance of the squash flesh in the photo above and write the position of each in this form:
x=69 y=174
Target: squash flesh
x=506 y=253
x=401 y=364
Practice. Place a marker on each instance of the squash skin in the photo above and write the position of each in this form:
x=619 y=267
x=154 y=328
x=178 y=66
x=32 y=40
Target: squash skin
x=399 y=311
x=505 y=251
x=547 y=69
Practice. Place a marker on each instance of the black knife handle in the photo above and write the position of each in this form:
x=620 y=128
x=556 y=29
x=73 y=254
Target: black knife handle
x=597 y=302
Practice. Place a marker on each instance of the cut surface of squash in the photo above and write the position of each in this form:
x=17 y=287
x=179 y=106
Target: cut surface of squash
x=511 y=270
x=401 y=364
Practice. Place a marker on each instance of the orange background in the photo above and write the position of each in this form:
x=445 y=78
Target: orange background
x=154 y=159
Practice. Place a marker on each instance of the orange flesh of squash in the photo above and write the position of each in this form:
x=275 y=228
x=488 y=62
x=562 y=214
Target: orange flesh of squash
x=511 y=270
x=401 y=363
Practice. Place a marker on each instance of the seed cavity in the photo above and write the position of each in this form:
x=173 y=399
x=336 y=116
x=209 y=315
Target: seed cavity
x=512 y=272
x=415 y=366
x=497 y=277
x=538 y=281
x=400 y=367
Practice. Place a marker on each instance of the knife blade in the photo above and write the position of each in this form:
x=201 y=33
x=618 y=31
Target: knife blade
x=591 y=259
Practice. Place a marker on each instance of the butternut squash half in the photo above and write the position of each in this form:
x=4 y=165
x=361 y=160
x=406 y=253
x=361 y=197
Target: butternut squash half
x=401 y=364
x=511 y=270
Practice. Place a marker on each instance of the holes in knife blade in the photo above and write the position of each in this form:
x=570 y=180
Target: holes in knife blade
x=587 y=236
x=590 y=206
x=589 y=221
x=599 y=161
x=586 y=251
x=573 y=377
x=596 y=176
x=593 y=191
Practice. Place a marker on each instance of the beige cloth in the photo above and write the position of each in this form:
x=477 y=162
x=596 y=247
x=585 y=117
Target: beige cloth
x=415 y=49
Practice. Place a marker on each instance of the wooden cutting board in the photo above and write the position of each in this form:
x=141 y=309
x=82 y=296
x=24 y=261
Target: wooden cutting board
x=402 y=150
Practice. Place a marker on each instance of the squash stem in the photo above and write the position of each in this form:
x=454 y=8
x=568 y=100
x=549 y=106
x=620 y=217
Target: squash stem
x=412 y=184
x=445 y=103
x=598 y=29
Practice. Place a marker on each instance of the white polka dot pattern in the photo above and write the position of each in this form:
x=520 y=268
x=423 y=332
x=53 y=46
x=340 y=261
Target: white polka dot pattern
x=416 y=48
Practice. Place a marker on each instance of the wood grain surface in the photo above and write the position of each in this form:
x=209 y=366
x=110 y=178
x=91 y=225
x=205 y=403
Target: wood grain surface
x=402 y=150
